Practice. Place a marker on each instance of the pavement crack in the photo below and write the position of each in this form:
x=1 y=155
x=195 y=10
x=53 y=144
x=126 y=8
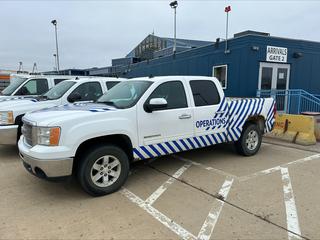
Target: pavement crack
x=221 y=198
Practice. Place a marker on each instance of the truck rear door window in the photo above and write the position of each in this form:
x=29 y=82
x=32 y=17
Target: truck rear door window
x=111 y=84
x=34 y=87
x=59 y=80
x=204 y=93
x=89 y=91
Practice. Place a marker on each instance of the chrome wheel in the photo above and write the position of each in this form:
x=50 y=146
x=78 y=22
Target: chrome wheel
x=252 y=140
x=105 y=171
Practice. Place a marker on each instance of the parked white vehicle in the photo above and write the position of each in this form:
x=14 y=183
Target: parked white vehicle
x=139 y=119
x=68 y=91
x=23 y=85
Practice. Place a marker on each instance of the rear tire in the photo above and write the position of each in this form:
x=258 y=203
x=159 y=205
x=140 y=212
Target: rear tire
x=103 y=170
x=250 y=140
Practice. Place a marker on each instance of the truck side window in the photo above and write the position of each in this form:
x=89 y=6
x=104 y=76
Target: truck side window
x=58 y=80
x=89 y=91
x=111 y=84
x=204 y=93
x=173 y=92
x=34 y=87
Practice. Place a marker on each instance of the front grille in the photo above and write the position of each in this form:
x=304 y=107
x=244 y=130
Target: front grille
x=27 y=131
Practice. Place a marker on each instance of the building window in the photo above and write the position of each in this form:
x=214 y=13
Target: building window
x=221 y=73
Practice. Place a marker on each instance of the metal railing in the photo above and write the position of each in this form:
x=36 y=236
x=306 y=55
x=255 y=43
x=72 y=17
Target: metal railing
x=294 y=101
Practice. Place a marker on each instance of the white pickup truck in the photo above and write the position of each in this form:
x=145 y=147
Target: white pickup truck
x=68 y=91
x=139 y=119
x=26 y=86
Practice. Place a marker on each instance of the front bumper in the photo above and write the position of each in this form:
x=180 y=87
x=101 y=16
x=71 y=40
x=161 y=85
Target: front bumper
x=45 y=168
x=53 y=168
x=8 y=135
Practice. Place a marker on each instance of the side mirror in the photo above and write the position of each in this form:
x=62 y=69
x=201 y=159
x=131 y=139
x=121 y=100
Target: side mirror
x=155 y=104
x=74 y=97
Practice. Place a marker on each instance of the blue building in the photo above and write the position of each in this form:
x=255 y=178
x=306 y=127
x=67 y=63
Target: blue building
x=251 y=61
x=151 y=47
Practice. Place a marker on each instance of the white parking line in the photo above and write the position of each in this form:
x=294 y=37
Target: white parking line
x=169 y=223
x=154 y=196
x=291 y=210
x=260 y=173
x=206 y=167
x=277 y=168
x=212 y=218
x=253 y=175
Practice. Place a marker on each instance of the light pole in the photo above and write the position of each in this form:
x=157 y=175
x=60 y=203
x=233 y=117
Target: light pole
x=55 y=61
x=54 y=22
x=227 y=10
x=174 y=5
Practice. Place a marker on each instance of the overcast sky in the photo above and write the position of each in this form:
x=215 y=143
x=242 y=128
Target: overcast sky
x=91 y=33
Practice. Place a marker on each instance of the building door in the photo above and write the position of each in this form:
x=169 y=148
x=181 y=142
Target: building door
x=275 y=77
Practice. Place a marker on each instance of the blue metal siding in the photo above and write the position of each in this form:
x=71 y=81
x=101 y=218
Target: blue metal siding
x=243 y=63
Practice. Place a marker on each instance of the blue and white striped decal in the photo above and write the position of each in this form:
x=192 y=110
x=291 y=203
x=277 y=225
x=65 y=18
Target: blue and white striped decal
x=166 y=148
x=223 y=108
x=237 y=113
x=270 y=118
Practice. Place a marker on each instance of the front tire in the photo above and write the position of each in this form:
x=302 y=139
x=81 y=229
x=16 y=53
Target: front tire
x=103 y=170
x=250 y=140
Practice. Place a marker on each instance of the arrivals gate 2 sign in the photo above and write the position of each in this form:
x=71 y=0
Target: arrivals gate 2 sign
x=277 y=54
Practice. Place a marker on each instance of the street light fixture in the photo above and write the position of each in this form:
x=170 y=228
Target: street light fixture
x=54 y=22
x=174 y=6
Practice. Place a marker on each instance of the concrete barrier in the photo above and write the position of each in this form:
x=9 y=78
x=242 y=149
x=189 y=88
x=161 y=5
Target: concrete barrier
x=316 y=116
x=317 y=129
x=298 y=129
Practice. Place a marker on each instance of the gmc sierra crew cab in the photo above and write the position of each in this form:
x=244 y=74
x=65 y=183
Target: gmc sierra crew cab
x=68 y=91
x=28 y=86
x=139 y=119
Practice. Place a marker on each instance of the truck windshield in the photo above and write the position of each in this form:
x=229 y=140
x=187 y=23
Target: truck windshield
x=15 y=83
x=125 y=94
x=59 y=90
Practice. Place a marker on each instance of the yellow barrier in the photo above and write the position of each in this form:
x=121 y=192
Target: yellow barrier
x=298 y=129
x=317 y=128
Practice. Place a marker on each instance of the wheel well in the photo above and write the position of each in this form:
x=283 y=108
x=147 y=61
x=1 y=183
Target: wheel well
x=18 y=121
x=257 y=119
x=119 y=140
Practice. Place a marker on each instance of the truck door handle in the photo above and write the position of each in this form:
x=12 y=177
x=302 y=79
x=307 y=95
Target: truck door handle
x=220 y=112
x=185 y=116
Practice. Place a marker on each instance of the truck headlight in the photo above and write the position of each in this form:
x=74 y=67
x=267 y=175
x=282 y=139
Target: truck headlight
x=6 y=118
x=48 y=136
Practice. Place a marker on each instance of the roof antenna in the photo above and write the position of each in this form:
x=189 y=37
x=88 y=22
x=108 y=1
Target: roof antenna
x=34 y=69
x=20 y=70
